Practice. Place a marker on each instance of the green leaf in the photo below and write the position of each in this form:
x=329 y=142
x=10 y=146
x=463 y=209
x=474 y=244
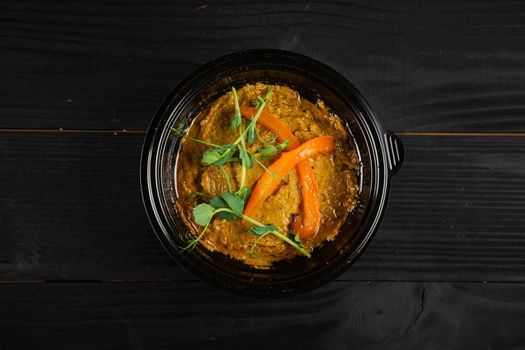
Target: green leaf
x=237 y=118
x=261 y=230
x=283 y=145
x=203 y=214
x=218 y=156
x=218 y=203
x=235 y=203
x=266 y=152
x=245 y=158
x=250 y=132
x=244 y=194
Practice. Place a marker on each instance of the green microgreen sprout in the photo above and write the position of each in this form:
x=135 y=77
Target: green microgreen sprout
x=230 y=205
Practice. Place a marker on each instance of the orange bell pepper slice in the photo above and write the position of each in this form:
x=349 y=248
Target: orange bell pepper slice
x=321 y=145
x=273 y=124
x=307 y=224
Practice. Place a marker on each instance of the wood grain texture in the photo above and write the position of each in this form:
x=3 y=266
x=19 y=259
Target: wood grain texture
x=71 y=210
x=342 y=315
x=433 y=66
x=72 y=203
x=70 y=206
x=455 y=212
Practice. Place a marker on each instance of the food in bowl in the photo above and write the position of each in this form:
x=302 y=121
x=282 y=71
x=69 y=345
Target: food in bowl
x=271 y=273
x=265 y=175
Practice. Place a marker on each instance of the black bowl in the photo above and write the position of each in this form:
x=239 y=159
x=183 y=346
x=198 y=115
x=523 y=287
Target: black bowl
x=380 y=155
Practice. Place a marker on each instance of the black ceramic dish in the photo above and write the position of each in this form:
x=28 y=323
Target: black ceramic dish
x=381 y=154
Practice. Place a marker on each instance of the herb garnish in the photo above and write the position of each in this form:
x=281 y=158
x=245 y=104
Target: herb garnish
x=230 y=205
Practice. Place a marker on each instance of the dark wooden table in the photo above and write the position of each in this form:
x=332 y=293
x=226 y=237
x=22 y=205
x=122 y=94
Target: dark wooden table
x=80 y=266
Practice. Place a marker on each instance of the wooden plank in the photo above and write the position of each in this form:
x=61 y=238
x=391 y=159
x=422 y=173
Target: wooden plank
x=438 y=66
x=456 y=212
x=72 y=210
x=356 y=315
x=72 y=204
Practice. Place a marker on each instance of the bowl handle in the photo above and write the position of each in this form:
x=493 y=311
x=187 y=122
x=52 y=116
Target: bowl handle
x=395 y=152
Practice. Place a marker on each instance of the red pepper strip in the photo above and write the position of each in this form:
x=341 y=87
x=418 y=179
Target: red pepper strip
x=321 y=145
x=307 y=224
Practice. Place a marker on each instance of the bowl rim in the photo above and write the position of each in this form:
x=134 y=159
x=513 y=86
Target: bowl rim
x=148 y=174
